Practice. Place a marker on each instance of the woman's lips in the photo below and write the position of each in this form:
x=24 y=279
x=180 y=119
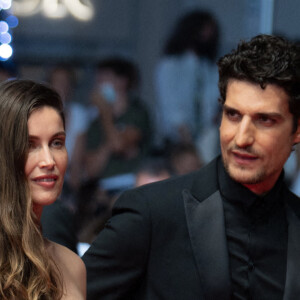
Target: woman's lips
x=47 y=181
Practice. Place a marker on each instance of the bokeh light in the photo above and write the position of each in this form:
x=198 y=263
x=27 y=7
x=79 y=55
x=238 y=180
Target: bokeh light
x=7 y=21
x=12 y=21
x=3 y=27
x=6 y=51
x=5 y=38
x=5 y=4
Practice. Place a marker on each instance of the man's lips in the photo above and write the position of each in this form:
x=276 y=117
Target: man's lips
x=244 y=157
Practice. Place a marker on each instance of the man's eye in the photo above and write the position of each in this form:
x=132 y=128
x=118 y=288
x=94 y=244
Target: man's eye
x=266 y=121
x=232 y=115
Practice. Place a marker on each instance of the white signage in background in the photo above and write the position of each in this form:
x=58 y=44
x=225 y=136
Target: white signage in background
x=81 y=10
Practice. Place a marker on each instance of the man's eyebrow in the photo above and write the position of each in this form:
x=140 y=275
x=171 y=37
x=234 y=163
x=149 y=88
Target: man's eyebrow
x=270 y=114
x=227 y=108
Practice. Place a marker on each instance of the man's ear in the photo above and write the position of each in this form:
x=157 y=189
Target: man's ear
x=297 y=134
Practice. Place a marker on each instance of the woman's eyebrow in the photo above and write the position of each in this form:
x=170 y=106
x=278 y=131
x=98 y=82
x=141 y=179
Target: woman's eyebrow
x=60 y=133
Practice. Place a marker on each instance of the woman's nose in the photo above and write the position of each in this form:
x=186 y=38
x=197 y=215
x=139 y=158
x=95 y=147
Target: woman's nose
x=46 y=158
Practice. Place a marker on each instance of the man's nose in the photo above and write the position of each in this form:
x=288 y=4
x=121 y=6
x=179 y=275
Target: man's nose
x=46 y=158
x=245 y=133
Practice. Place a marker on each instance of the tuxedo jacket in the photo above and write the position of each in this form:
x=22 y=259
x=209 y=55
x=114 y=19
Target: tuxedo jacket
x=167 y=241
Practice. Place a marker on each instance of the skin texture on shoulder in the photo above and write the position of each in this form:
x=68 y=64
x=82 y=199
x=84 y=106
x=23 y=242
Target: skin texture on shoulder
x=72 y=269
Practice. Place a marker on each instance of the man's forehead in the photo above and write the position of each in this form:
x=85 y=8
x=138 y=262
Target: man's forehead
x=246 y=95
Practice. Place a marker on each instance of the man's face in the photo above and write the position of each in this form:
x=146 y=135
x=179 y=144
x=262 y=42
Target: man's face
x=256 y=134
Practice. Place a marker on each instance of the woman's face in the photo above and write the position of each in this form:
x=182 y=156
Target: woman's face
x=47 y=158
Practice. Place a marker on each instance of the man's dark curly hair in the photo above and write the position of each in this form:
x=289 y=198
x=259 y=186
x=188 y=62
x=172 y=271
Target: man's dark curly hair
x=264 y=60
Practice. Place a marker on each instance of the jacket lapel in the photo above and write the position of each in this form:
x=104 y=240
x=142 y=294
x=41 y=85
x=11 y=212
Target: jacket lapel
x=205 y=220
x=292 y=286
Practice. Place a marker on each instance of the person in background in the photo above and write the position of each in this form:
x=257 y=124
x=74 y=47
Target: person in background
x=115 y=143
x=119 y=138
x=186 y=85
x=184 y=158
x=152 y=170
x=232 y=229
x=33 y=160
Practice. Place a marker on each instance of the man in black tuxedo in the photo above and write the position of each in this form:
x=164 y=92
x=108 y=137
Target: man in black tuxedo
x=232 y=229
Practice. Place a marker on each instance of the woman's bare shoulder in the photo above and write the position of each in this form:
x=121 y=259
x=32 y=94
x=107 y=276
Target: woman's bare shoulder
x=72 y=269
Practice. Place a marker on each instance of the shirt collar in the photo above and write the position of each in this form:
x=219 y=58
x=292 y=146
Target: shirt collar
x=240 y=195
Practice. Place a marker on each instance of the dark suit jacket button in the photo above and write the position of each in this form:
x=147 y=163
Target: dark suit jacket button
x=250 y=266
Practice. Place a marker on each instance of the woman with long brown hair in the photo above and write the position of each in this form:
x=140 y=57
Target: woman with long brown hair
x=33 y=159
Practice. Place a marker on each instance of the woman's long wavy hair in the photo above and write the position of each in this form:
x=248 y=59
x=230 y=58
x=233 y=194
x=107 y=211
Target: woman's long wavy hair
x=26 y=269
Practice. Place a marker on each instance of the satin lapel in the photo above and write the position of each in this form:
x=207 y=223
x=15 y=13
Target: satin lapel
x=292 y=286
x=206 y=227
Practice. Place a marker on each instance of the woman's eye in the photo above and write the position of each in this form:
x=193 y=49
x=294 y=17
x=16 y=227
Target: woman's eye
x=31 y=145
x=58 y=143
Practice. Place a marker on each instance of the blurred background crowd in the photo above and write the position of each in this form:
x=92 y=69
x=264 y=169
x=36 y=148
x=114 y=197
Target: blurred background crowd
x=139 y=84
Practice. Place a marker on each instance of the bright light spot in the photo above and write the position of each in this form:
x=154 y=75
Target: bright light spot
x=25 y=8
x=5 y=38
x=3 y=27
x=54 y=8
x=83 y=12
x=12 y=21
x=5 y=51
x=5 y=4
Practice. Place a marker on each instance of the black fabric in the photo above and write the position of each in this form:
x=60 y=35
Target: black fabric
x=256 y=231
x=167 y=240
